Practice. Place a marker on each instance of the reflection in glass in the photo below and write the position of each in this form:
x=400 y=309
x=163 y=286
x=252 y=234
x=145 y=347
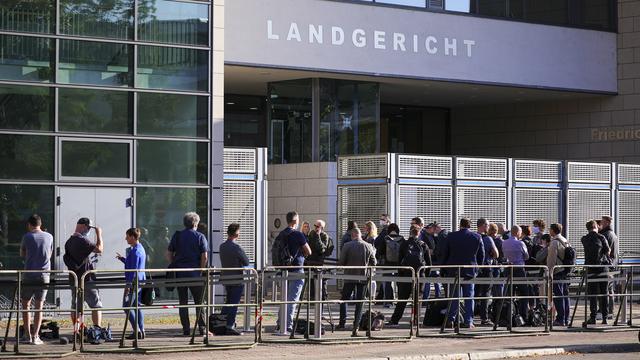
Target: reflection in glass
x=173 y=22
x=172 y=68
x=245 y=121
x=159 y=213
x=26 y=107
x=97 y=18
x=26 y=58
x=290 y=121
x=26 y=157
x=95 y=159
x=95 y=63
x=172 y=162
x=94 y=111
x=172 y=115
x=424 y=122
x=35 y=16
x=17 y=203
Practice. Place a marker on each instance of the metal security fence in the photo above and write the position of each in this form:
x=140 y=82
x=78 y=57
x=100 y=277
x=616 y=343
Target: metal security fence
x=245 y=199
x=511 y=191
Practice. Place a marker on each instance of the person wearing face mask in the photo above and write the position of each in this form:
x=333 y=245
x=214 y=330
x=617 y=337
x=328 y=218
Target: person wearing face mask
x=539 y=227
x=80 y=257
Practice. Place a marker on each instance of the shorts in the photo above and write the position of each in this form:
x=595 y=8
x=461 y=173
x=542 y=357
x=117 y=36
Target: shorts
x=33 y=289
x=91 y=297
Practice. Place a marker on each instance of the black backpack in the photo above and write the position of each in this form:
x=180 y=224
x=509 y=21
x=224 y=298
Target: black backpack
x=375 y=317
x=569 y=258
x=415 y=254
x=280 y=254
x=392 y=248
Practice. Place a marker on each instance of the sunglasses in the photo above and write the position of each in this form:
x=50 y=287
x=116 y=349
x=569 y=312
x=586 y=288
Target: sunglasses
x=316 y=225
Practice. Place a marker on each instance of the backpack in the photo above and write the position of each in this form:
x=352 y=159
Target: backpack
x=218 y=324
x=392 y=247
x=569 y=256
x=415 y=255
x=377 y=321
x=330 y=247
x=435 y=313
x=98 y=335
x=280 y=254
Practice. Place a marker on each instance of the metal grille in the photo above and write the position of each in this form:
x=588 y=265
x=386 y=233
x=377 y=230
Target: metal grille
x=436 y=4
x=584 y=205
x=239 y=161
x=362 y=167
x=431 y=203
x=361 y=204
x=628 y=174
x=548 y=171
x=425 y=167
x=481 y=169
x=589 y=172
x=240 y=207
x=532 y=204
x=474 y=203
x=629 y=223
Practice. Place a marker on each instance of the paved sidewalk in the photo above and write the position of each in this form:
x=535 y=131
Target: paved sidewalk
x=424 y=348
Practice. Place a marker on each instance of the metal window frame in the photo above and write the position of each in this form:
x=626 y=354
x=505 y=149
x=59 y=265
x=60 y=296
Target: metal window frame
x=64 y=178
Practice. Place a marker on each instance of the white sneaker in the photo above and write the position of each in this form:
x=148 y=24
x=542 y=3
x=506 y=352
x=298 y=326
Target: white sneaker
x=37 y=340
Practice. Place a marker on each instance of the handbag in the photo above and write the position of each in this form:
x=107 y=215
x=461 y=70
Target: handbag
x=148 y=293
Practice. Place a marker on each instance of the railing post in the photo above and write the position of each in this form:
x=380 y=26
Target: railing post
x=586 y=296
x=207 y=310
x=510 y=301
x=631 y=301
x=459 y=289
x=317 y=331
x=248 y=286
x=283 y=307
x=16 y=347
x=136 y=328
x=547 y=281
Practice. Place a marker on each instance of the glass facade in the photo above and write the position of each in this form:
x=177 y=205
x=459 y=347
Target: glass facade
x=591 y=14
x=104 y=94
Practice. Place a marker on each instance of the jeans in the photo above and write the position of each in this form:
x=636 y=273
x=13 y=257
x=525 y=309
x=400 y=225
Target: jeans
x=427 y=287
x=347 y=289
x=234 y=294
x=183 y=299
x=404 y=293
x=561 y=299
x=294 y=291
x=134 y=316
x=468 y=293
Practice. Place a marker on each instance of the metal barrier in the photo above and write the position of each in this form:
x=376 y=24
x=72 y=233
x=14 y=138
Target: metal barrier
x=587 y=283
x=207 y=279
x=501 y=278
x=61 y=280
x=362 y=275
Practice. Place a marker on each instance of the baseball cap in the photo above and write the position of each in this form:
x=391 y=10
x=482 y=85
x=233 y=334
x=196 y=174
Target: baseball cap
x=84 y=221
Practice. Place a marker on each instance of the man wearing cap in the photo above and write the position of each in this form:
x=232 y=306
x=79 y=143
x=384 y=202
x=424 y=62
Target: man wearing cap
x=79 y=258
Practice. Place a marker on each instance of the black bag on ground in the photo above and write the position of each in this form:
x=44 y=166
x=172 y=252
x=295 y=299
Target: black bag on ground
x=435 y=313
x=516 y=319
x=301 y=327
x=98 y=335
x=537 y=316
x=377 y=321
x=218 y=324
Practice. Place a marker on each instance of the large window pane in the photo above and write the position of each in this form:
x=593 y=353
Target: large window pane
x=245 y=121
x=172 y=68
x=26 y=58
x=95 y=111
x=27 y=16
x=95 y=159
x=172 y=162
x=97 y=18
x=290 y=127
x=17 y=203
x=26 y=157
x=172 y=115
x=26 y=107
x=173 y=22
x=86 y=62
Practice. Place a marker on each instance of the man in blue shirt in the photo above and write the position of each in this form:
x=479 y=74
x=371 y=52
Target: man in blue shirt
x=189 y=249
x=233 y=256
x=135 y=260
x=36 y=249
x=463 y=247
x=299 y=248
x=515 y=251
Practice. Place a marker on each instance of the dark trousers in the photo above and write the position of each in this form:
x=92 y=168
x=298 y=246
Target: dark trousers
x=404 y=293
x=325 y=294
x=521 y=290
x=602 y=299
x=183 y=299
x=483 y=290
x=234 y=294
x=561 y=299
x=347 y=289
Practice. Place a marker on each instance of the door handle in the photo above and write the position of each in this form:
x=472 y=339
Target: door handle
x=129 y=202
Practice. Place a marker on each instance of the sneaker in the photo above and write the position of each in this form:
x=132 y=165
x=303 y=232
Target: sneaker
x=37 y=340
x=232 y=332
x=486 y=323
x=186 y=332
x=392 y=324
x=605 y=322
x=467 y=326
x=341 y=326
x=354 y=333
x=558 y=323
x=387 y=306
x=591 y=321
x=25 y=339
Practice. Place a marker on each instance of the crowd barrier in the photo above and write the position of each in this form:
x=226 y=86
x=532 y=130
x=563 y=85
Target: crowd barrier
x=314 y=277
x=620 y=292
x=16 y=283
x=505 y=279
x=266 y=291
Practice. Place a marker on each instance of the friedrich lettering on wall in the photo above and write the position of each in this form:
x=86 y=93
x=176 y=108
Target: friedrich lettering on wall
x=615 y=135
x=380 y=40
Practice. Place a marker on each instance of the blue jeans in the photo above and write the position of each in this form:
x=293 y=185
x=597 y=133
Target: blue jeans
x=561 y=300
x=294 y=290
x=131 y=314
x=427 y=287
x=468 y=293
x=234 y=294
